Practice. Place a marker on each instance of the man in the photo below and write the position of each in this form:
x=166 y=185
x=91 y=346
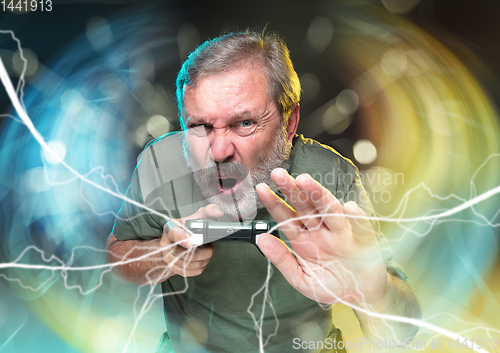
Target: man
x=238 y=98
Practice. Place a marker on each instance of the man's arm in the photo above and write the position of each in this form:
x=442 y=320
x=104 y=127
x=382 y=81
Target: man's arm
x=399 y=300
x=336 y=255
x=156 y=260
x=146 y=267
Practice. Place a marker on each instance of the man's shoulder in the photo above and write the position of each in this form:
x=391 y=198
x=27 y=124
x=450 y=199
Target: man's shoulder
x=160 y=162
x=310 y=155
x=164 y=151
x=171 y=143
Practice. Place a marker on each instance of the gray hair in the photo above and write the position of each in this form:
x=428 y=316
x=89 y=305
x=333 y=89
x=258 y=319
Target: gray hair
x=223 y=53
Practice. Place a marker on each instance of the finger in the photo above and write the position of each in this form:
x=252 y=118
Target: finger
x=191 y=273
x=173 y=234
x=282 y=213
x=175 y=228
x=196 y=254
x=188 y=263
x=185 y=271
x=330 y=208
x=280 y=256
x=176 y=242
x=361 y=227
x=300 y=202
x=209 y=211
x=177 y=262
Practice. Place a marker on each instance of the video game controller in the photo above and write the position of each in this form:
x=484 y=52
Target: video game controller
x=206 y=230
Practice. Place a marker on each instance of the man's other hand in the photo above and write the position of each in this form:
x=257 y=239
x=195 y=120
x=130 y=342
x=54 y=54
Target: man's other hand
x=156 y=260
x=178 y=251
x=335 y=256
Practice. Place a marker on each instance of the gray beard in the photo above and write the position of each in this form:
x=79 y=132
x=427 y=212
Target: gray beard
x=244 y=202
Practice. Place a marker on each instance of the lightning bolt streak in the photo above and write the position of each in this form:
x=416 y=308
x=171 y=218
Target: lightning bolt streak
x=258 y=324
x=395 y=318
x=21 y=83
x=466 y=205
x=21 y=111
x=12 y=336
x=29 y=124
x=484 y=196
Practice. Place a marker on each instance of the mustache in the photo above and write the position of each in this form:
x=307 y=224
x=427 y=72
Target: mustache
x=215 y=170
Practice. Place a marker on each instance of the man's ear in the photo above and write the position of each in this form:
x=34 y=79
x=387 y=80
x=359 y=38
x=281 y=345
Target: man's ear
x=293 y=122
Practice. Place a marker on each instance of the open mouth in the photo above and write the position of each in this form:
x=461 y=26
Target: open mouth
x=227 y=184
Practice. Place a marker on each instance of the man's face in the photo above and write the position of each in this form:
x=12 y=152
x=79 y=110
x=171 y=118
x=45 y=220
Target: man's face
x=234 y=137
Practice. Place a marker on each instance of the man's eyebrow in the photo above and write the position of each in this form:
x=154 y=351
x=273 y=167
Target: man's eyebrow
x=247 y=114
x=244 y=115
x=195 y=118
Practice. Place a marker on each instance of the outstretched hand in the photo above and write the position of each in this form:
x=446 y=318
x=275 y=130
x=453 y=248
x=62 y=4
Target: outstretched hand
x=335 y=250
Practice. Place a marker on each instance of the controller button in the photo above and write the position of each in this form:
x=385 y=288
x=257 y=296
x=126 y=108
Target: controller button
x=261 y=226
x=197 y=239
x=197 y=225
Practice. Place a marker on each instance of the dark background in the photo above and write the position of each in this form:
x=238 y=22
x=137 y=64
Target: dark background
x=473 y=23
x=458 y=24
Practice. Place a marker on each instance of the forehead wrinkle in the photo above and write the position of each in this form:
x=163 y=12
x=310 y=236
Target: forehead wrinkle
x=195 y=118
x=244 y=115
x=233 y=102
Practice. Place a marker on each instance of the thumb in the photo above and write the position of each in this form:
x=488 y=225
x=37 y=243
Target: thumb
x=280 y=256
x=209 y=211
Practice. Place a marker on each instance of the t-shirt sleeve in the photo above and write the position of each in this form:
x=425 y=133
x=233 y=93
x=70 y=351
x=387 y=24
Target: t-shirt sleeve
x=133 y=221
x=357 y=193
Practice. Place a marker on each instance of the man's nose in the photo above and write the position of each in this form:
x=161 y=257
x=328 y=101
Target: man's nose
x=221 y=145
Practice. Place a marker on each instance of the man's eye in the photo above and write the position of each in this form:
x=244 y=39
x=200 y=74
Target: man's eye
x=206 y=126
x=200 y=129
x=244 y=127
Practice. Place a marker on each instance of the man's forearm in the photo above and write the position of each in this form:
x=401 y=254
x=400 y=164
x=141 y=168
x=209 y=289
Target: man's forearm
x=400 y=301
x=137 y=261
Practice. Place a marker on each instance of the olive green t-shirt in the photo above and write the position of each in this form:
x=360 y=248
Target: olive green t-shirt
x=240 y=300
